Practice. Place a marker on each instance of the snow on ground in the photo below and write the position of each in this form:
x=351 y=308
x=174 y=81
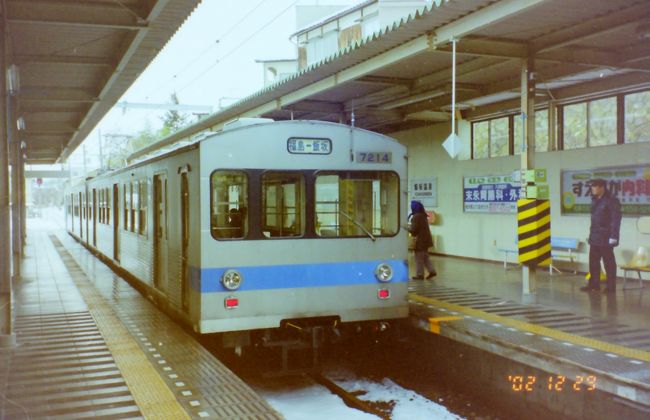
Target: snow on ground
x=304 y=400
x=313 y=402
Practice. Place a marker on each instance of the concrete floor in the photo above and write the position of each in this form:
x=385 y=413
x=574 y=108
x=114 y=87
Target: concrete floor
x=560 y=291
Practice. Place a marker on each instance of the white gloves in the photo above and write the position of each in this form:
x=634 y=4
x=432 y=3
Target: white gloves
x=613 y=241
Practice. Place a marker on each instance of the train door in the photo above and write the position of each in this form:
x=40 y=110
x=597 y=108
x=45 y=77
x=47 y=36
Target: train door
x=116 y=223
x=185 y=238
x=160 y=231
x=94 y=217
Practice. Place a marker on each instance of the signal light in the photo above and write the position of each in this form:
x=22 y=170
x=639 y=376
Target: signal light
x=231 y=302
x=383 y=294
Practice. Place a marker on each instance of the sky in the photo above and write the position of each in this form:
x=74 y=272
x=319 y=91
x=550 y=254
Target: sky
x=209 y=61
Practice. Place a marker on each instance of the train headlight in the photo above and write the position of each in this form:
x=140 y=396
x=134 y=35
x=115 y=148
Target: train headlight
x=384 y=272
x=231 y=279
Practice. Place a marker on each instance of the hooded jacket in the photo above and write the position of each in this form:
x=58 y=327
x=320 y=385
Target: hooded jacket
x=420 y=227
x=605 y=219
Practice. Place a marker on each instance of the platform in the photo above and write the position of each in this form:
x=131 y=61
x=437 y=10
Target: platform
x=89 y=345
x=559 y=330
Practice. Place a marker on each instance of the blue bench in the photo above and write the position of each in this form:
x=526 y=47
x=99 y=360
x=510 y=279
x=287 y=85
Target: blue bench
x=561 y=248
x=506 y=252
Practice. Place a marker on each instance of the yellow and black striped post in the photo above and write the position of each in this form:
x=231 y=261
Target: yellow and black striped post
x=534 y=232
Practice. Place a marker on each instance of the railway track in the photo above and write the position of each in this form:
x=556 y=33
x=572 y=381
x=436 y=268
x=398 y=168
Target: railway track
x=350 y=399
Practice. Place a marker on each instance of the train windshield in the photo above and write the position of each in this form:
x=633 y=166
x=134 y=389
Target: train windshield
x=283 y=204
x=229 y=201
x=351 y=204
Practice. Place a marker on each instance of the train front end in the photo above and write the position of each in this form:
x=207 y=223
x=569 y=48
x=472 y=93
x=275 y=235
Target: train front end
x=302 y=225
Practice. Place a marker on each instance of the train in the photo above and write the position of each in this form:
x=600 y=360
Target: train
x=262 y=226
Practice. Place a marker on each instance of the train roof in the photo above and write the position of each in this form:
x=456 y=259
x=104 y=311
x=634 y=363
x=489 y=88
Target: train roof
x=235 y=125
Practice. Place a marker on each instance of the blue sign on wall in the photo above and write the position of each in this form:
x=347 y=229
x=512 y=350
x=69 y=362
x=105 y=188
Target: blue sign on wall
x=490 y=194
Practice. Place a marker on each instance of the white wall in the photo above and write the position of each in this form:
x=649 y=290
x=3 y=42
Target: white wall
x=475 y=235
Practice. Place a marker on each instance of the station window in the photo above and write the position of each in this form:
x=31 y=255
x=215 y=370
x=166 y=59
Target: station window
x=637 y=117
x=499 y=135
x=602 y=122
x=353 y=204
x=591 y=123
x=481 y=140
x=228 y=204
x=283 y=204
x=541 y=132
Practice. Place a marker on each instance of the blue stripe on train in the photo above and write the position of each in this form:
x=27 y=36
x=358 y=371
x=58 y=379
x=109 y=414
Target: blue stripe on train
x=297 y=275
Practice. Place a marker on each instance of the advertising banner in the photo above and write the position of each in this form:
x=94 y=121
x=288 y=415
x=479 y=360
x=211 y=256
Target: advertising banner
x=630 y=184
x=490 y=194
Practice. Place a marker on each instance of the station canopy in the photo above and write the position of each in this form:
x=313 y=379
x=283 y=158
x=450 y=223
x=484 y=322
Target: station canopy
x=69 y=62
x=400 y=77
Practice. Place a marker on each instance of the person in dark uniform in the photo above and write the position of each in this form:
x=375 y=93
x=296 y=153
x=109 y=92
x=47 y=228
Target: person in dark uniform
x=420 y=230
x=603 y=236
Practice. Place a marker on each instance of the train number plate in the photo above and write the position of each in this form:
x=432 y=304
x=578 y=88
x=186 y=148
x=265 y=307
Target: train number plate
x=374 y=157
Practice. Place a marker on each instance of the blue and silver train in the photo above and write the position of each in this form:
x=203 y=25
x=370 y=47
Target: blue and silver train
x=259 y=226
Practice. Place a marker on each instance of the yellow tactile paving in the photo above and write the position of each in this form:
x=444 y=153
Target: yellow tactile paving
x=154 y=398
x=537 y=329
x=434 y=323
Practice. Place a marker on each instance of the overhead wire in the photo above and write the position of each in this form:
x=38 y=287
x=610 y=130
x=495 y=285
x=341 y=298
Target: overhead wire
x=229 y=53
x=205 y=51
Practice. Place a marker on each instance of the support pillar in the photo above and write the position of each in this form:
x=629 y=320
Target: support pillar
x=7 y=336
x=16 y=210
x=23 y=202
x=529 y=274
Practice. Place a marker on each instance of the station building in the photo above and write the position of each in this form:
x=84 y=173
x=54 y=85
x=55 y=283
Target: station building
x=387 y=66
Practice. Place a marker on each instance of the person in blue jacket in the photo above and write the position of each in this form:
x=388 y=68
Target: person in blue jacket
x=603 y=236
x=420 y=230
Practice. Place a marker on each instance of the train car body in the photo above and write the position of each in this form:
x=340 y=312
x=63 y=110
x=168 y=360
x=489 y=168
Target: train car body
x=259 y=225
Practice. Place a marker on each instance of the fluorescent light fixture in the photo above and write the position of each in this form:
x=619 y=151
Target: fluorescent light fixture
x=13 y=79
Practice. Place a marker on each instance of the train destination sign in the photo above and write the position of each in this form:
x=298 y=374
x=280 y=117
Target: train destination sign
x=307 y=146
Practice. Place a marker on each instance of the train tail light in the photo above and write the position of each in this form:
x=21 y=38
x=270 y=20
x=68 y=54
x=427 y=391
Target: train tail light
x=383 y=294
x=231 y=302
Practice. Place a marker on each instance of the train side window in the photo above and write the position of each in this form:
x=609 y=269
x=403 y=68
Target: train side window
x=355 y=204
x=135 y=205
x=127 y=205
x=101 y=205
x=283 y=204
x=142 y=210
x=108 y=205
x=228 y=204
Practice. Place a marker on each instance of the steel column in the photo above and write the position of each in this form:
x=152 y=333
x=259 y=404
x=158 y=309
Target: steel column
x=529 y=275
x=7 y=336
x=23 y=202
x=16 y=229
